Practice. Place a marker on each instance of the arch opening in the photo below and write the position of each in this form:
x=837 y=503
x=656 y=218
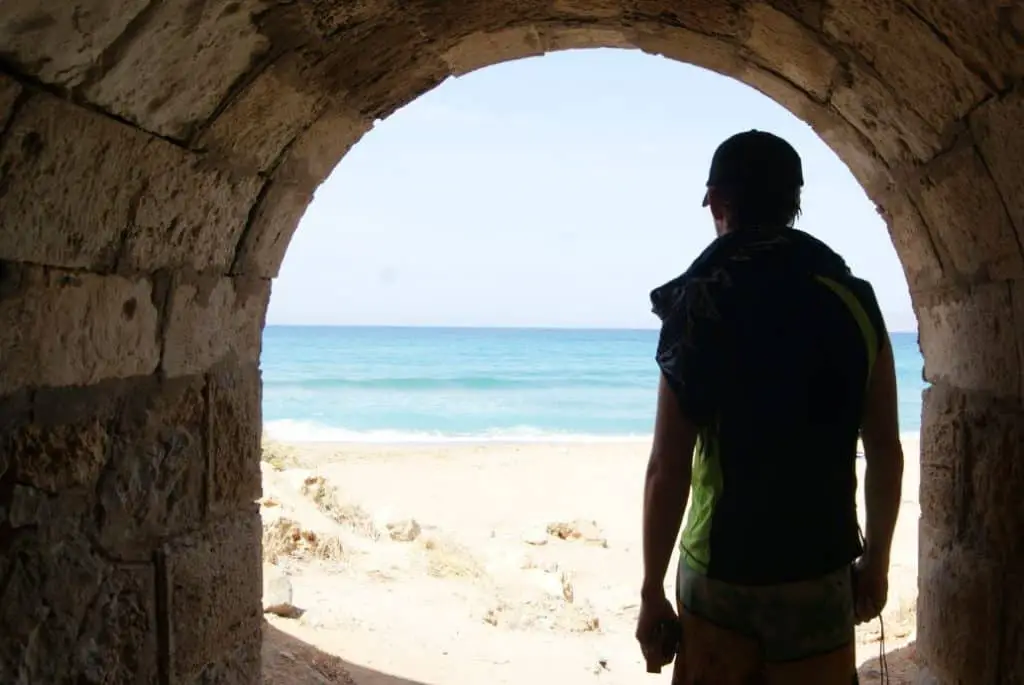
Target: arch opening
x=577 y=177
x=148 y=196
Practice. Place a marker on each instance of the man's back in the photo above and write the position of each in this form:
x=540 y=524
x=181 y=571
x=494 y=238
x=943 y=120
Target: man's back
x=787 y=337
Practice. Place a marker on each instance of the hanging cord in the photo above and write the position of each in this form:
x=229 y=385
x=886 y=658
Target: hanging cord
x=883 y=661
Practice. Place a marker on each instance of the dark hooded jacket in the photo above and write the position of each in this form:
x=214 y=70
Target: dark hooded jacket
x=768 y=342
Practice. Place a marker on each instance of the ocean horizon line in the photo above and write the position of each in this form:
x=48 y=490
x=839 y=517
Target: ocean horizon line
x=491 y=327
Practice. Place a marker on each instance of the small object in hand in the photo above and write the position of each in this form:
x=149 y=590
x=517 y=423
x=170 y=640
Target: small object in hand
x=668 y=634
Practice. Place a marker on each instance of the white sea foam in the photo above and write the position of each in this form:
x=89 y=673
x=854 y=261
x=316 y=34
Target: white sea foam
x=288 y=430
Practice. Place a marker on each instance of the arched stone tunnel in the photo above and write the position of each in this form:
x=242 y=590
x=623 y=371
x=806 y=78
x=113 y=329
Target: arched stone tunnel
x=156 y=156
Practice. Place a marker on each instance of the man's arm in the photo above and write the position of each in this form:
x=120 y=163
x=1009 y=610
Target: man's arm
x=666 y=488
x=883 y=475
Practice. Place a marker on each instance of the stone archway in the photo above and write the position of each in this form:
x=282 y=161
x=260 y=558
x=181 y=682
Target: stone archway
x=156 y=157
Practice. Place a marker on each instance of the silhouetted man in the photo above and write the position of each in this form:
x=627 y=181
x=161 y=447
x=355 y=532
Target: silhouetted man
x=774 y=358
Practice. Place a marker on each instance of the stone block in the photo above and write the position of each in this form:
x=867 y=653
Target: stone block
x=262 y=120
x=84 y=190
x=575 y=38
x=154 y=485
x=446 y=23
x=1017 y=295
x=309 y=160
x=189 y=215
x=483 y=49
x=709 y=17
x=917 y=65
x=69 y=177
x=957 y=602
x=997 y=133
x=63 y=442
x=968 y=340
x=9 y=92
x=319 y=148
x=383 y=66
x=214 y=583
x=204 y=49
x=981 y=32
x=53 y=458
x=238 y=665
x=49 y=587
x=210 y=319
x=896 y=131
x=601 y=10
x=913 y=242
x=994 y=513
x=961 y=205
x=60 y=43
x=809 y=12
x=1012 y=663
x=235 y=427
x=791 y=49
x=59 y=328
x=688 y=46
x=117 y=638
x=262 y=248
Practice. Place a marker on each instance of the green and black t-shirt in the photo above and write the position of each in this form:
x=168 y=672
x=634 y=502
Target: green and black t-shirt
x=768 y=342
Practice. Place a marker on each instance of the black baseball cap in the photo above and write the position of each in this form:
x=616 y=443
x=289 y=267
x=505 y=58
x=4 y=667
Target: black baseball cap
x=755 y=158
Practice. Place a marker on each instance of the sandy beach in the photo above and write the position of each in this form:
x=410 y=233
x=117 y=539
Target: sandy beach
x=452 y=564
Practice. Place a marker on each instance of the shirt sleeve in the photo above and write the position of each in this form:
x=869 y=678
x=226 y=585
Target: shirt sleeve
x=688 y=351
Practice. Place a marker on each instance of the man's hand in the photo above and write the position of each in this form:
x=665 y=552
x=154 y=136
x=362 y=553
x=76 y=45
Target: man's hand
x=870 y=587
x=656 y=631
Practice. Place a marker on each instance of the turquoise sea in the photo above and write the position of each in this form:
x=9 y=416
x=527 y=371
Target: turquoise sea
x=435 y=384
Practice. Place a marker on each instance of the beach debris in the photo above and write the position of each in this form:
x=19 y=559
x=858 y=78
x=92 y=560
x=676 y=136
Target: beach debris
x=277 y=593
x=548 y=614
x=403 y=530
x=284 y=537
x=578 y=529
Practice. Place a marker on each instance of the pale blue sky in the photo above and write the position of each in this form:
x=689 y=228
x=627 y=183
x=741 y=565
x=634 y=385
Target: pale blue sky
x=553 y=191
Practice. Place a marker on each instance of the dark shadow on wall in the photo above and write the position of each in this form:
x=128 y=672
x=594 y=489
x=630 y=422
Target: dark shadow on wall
x=288 y=660
x=902 y=664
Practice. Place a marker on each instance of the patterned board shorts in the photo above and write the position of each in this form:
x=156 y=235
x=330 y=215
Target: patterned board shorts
x=791 y=621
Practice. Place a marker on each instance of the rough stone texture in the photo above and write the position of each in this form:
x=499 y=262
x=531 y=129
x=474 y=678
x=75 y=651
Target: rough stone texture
x=261 y=121
x=235 y=421
x=211 y=318
x=908 y=56
x=205 y=48
x=900 y=135
x=284 y=200
x=961 y=205
x=214 y=582
x=984 y=33
x=486 y=48
x=64 y=328
x=961 y=589
x=996 y=132
x=970 y=341
x=57 y=166
x=154 y=483
x=914 y=243
x=808 y=63
x=9 y=92
x=176 y=144
x=62 y=42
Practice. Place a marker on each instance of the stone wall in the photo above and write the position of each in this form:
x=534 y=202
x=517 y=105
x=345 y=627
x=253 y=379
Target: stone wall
x=155 y=158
